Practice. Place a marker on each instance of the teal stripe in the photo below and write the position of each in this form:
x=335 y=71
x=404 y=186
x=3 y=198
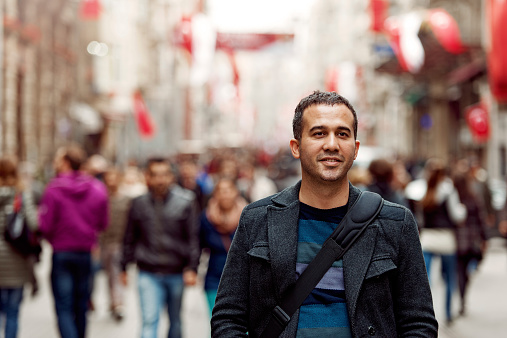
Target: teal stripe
x=336 y=332
x=307 y=251
x=314 y=231
x=323 y=315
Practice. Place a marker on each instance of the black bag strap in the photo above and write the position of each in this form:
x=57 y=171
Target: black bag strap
x=361 y=213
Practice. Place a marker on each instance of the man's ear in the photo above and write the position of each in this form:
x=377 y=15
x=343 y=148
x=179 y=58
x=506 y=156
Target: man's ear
x=294 y=148
x=357 y=149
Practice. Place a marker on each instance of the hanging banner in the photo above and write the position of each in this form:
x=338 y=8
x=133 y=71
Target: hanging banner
x=145 y=123
x=90 y=9
x=446 y=30
x=496 y=18
x=478 y=122
x=378 y=10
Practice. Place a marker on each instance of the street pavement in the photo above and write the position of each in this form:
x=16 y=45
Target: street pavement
x=486 y=312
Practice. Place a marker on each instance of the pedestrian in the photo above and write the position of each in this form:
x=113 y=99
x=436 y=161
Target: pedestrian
x=187 y=178
x=16 y=268
x=162 y=237
x=382 y=173
x=471 y=236
x=442 y=212
x=254 y=184
x=380 y=286
x=111 y=241
x=72 y=212
x=218 y=225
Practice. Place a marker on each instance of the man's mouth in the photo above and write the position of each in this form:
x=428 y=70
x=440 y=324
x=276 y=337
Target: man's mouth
x=330 y=160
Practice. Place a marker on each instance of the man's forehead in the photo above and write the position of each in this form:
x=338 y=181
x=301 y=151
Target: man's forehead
x=320 y=109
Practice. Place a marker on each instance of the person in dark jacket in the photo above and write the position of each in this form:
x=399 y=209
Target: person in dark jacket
x=380 y=287
x=471 y=236
x=162 y=237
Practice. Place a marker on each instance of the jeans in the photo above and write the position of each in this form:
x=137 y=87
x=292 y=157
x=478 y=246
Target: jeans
x=156 y=291
x=70 y=281
x=10 y=300
x=449 y=275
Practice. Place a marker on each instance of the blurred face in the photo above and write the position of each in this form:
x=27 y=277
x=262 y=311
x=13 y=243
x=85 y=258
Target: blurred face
x=59 y=162
x=327 y=148
x=159 y=178
x=112 y=180
x=225 y=193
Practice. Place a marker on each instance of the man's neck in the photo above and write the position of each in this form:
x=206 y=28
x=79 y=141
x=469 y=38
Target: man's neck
x=324 y=196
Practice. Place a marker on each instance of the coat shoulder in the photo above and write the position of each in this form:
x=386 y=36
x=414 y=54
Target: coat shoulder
x=393 y=211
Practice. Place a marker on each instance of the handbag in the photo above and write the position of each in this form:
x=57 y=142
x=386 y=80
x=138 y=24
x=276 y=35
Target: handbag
x=361 y=213
x=17 y=233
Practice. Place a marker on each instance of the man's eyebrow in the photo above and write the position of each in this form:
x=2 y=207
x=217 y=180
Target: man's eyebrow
x=341 y=128
x=316 y=128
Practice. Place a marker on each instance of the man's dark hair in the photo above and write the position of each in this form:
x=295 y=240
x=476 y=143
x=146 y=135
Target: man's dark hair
x=75 y=155
x=318 y=97
x=158 y=160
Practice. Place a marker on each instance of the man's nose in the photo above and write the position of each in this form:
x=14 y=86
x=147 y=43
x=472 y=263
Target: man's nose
x=331 y=143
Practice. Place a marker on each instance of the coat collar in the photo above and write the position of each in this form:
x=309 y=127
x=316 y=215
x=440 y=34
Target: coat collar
x=283 y=217
x=291 y=194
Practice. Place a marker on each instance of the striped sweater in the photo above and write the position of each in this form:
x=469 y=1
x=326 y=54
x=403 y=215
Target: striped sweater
x=324 y=312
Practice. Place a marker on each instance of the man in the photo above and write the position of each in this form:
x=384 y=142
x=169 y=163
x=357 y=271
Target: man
x=380 y=287
x=73 y=210
x=162 y=237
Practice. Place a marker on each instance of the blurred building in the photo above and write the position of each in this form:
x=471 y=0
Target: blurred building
x=131 y=79
x=38 y=58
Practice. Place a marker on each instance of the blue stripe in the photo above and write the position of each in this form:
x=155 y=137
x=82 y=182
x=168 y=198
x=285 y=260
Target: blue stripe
x=319 y=296
x=321 y=315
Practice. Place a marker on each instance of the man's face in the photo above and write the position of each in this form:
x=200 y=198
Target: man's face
x=159 y=178
x=327 y=148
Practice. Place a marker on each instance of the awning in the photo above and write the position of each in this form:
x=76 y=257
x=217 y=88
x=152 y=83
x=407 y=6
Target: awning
x=467 y=72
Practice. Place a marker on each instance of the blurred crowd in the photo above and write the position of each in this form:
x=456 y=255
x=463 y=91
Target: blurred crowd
x=171 y=215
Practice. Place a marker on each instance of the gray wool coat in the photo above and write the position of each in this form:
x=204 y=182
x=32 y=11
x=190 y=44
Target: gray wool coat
x=386 y=285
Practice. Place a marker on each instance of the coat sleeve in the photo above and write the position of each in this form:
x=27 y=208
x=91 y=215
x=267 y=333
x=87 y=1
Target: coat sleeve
x=192 y=228
x=230 y=314
x=413 y=301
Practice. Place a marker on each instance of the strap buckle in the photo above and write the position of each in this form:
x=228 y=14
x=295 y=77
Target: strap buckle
x=281 y=317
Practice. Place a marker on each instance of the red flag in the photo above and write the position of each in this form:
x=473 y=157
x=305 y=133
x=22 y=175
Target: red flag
x=478 y=122
x=446 y=30
x=144 y=121
x=497 y=54
x=392 y=28
x=90 y=9
x=332 y=77
x=379 y=9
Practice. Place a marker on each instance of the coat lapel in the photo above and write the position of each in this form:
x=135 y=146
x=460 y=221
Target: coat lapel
x=355 y=264
x=282 y=237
